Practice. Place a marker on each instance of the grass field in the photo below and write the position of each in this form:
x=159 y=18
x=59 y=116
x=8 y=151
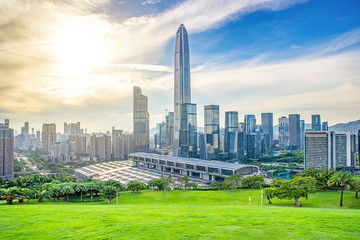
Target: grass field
x=184 y=215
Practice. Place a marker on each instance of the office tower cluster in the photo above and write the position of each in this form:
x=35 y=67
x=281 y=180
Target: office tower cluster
x=26 y=140
x=330 y=150
x=6 y=151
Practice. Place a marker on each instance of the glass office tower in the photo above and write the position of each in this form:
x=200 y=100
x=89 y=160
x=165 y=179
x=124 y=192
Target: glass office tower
x=141 y=121
x=212 y=126
x=316 y=122
x=231 y=127
x=182 y=90
x=188 y=128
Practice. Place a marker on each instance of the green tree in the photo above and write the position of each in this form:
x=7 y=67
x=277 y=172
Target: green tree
x=66 y=189
x=356 y=185
x=342 y=180
x=81 y=187
x=296 y=188
x=234 y=181
x=41 y=194
x=135 y=186
x=253 y=182
x=109 y=192
x=183 y=181
x=191 y=185
x=9 y=194
x=116 y=184
x=270 y=193
x=25 y=193
x=160 y=183
x=321 y=176
x=215 y=185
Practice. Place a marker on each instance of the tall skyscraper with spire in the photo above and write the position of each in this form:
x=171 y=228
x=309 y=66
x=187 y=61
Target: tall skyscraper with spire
x=182 y=90
x=182 y=97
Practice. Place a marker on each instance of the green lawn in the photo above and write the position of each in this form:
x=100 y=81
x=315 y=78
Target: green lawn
x=184 y=215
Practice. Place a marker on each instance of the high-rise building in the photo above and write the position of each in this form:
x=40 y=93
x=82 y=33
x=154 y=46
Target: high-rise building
x=294 y=131
x=6 y=151
x=170 y=129
x=141 y=121
x=188 y=131
x=212 y=126
x=203 y=147
x=160 y=136
x=118 y=146
x=250 y=123
x=240 y=146
x=302 y=133
x=325 y=126
x=182 y=88
x=268 y=128
x=283 y=132
x=48 y=136
x=316 y=122
x=231 y=127
x=327 y=149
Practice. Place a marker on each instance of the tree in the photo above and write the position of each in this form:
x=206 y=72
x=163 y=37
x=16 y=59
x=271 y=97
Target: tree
x=109 y=192
x=66 y=189
x=191 y=185
x=296 y=188
x=160 y=183
x=342 y=180
x=115 y=184
x=135 y=186
x=253 y=182
x=183 y=181
x=25 y=193
x=234 y=181
x=321 y=176
x=41 y=194
x=270 y=193
x=81 y=187
x=9 y=194
x=356 y=185
x=215 y=185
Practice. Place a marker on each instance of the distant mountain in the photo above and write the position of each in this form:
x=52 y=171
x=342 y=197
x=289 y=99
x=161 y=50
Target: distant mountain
x=346 y=127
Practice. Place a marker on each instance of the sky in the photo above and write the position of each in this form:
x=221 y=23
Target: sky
x=70 y=61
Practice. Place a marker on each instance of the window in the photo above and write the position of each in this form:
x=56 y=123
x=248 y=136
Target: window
x=196 y=175
x=200 y=168
x=227 y=172
x=169 y=163
x=147 y=160
x=213 y=170
x=162 y=162
x=155 y=161
x=180 y=165
x=175 y=170
x=189 y=166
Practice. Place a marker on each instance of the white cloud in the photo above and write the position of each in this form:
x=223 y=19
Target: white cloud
x=151 y=2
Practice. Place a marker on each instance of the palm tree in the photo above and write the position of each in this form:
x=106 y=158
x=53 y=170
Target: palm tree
x=66 y=189
x=356 y=185
x=9 y=194
x=342 y=180
x=81 y=187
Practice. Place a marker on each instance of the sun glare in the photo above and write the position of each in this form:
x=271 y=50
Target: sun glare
x=79 y=46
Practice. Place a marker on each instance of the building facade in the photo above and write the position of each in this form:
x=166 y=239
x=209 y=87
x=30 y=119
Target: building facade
x=6 y=151
x=283 y=132
x=212 y=126
x=140 y=121
x=48 y=136
x=294 y=131
x=231 y=127
x=182 y=88
x=268 y=128
x=316 y=122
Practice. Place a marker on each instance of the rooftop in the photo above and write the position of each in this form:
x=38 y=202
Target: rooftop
x=196 y=161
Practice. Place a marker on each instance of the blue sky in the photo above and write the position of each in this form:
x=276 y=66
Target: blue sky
x=77 y=61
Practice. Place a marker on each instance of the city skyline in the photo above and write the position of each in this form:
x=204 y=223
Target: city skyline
x=51 y=77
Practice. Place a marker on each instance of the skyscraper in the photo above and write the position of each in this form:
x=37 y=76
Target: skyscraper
x=325 y=126
x=212 y=126
x=231 y=127
x=316 y=122
x=117 y=144
x=268 y=128
x=302 y=133
x=188 y=131
x=250 y=123
x=170 y=129
x=141 y=121
x=182 y=89
x=48 y=136
x=6 y=151
x=283 y=132
x=294 y=131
